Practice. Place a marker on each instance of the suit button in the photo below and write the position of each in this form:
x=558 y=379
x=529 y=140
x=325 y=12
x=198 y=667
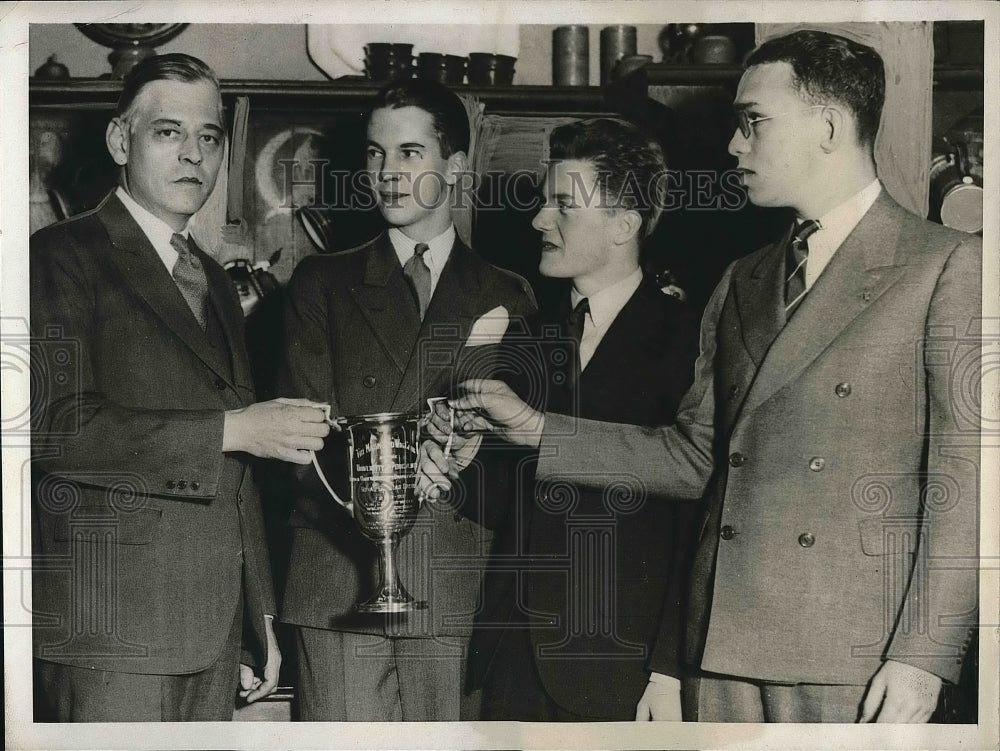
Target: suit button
x=195 y=485
x=842 y=389
x=807 y=540
x=727 y=533
x=171 y=484
x=220 y=384
x=733 y=391
x=817 y=463
x=737 y=459
x=369 y=381
x=181 y=484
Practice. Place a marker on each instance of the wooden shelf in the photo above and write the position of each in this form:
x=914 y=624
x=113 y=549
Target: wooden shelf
x=946 y=77
x=342 y=94
x=351 y=93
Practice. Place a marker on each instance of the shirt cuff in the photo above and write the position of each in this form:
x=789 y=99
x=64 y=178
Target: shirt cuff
x=666 y=680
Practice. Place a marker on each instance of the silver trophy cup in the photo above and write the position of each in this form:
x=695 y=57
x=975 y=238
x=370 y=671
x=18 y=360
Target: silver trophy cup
x=383 y=474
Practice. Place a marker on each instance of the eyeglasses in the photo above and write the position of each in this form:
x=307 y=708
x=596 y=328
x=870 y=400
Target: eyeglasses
x=745 y=123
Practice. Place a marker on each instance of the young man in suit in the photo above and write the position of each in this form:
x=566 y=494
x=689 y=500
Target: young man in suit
x=832 y=426
x=149 y=548
x=578 y=577
x=360 y=325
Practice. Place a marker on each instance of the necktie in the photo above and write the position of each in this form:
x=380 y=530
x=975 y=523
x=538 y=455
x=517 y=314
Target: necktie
x=574 y=327
x=191 y=279
x=419 y=276
x=795 y=278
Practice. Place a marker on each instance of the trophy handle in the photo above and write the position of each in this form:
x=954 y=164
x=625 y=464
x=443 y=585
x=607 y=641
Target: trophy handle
x=340 y=423
x=349 y=507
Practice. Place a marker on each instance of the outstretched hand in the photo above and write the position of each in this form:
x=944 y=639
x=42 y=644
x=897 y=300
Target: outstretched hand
x=491 y=406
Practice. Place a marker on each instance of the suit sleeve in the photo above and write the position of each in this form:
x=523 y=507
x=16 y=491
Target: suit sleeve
x=939 y=613
x=78 y=429
x=673 y=461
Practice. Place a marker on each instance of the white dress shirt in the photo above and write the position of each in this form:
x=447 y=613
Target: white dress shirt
x=604 y=308
x=835 y=226
x=436 y=255
x=154 y=228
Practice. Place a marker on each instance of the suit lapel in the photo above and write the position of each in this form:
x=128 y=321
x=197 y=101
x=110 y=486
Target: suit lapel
x=760 y=300
x=433 y=358
x=627 y=334
x=860 y=272
x=386 y=303
x=230 y=317
x=138 y=262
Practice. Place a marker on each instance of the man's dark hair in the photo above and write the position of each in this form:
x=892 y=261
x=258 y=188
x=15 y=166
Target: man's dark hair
x=830 y=67
x=173 y=67
x=451 y=123
x=630 y=164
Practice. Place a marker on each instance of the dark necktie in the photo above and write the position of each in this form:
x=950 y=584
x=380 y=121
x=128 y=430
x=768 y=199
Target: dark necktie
x=191 y=279
x=419 y=276
x=574 y=326
x=795 y=266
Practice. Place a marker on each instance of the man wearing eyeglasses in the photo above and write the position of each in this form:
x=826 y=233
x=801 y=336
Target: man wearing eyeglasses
x=832 y=427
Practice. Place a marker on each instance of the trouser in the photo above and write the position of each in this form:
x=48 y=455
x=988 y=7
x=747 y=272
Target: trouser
x=720 y=698
x=348 y=677
x=513 y=690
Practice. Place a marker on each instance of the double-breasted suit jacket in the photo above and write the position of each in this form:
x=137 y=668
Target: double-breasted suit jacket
x=838 y=455
x=355 y=340
x=146 y=536
x=588 y=572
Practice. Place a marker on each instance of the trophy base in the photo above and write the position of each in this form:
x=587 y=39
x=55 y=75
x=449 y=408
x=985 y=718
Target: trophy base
x=383 y=604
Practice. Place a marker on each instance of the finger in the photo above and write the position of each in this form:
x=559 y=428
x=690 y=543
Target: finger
x=246 y=676
x=472 y=423
x=294 y=456
x=304 y=443
x=483 y=386
x=873 y=699
x=891 y=711
x=641 y=712
x=264 y=688
x=436 y=456
x=308 y=411
x=438 y=432
x=314 y=429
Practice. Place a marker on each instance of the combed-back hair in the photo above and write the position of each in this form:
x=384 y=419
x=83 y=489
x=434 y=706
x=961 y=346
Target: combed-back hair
x=175 y=66
x=830 y=67
x=451 y=123
x=630 y=165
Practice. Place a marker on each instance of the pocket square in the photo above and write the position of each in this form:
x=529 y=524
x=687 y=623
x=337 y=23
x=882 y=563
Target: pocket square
x=489 y=328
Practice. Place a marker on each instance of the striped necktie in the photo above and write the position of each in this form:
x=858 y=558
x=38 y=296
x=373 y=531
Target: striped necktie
x=419 y=277
x=795 y=266
x=191 y=280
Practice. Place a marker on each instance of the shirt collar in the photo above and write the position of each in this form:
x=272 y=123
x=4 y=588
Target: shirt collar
x=837 y=224
x=157 y=230
x=608 y=302
x=439 y=248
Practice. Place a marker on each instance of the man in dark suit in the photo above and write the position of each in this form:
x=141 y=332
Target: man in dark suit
x=577 y=578
x=150 y=561
x=832 y=426
x=375 y=329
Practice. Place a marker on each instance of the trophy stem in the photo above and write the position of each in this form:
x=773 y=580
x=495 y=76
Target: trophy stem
x=390 y=596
